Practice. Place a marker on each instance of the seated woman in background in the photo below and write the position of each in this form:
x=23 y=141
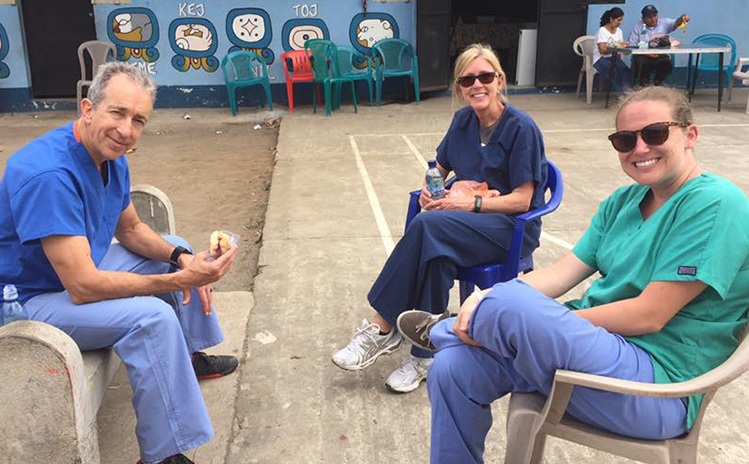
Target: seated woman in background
x=488 y=141
x=608 y=37
x=672 y=251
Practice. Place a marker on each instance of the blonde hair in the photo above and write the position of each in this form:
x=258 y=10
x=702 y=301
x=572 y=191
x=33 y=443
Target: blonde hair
x=681 y=111
x=469 y=54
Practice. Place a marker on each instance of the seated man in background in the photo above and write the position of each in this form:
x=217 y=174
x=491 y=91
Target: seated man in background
x=660 y=66
x=63 y=197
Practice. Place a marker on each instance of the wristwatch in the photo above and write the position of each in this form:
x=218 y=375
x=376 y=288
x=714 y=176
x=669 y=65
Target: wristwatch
x=178 y=250
x=477 y=204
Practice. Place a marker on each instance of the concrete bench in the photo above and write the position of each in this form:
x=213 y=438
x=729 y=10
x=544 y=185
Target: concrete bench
x=50 y=391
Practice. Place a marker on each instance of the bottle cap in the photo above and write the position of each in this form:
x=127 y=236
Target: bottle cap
x=10 y=292
x=432 y=163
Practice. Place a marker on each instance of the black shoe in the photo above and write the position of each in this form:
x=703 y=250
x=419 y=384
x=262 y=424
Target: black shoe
x=415 y=326
x=212 y=367
x=176 y=459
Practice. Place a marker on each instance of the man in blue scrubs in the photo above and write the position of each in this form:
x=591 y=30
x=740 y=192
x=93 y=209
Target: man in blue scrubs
x=63 y=197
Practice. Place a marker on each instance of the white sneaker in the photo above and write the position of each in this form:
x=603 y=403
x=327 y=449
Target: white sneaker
x=366 y=346
x=408 y=377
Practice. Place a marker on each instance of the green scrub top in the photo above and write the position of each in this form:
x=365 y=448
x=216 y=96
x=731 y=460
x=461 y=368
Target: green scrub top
x=700 y=233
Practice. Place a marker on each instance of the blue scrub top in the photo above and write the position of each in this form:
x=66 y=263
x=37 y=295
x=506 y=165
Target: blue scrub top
x=50 y=187
x=513 y=156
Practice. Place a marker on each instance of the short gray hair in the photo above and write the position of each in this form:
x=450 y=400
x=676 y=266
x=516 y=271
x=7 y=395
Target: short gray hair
x=97 y=91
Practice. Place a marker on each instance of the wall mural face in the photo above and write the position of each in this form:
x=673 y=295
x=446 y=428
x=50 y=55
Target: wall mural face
x=135 y=32
x=368 y=28
x=250 y=29
x=4 y=47
x=195 y=41
x=297 y=31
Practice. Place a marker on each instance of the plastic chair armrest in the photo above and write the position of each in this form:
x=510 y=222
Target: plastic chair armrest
x=740 y=64
x=565 y=381
x=516 y=244
x=721 y=375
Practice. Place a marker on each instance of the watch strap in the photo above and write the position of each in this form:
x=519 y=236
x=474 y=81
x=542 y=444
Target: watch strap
x=477 y=203
x=178 y=250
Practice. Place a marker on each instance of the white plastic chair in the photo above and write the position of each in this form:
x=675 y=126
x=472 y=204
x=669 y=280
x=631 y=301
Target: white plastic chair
x=531 y=417
x=98 y=52
x=154 y=208
x=583 y=47
x=740 y=75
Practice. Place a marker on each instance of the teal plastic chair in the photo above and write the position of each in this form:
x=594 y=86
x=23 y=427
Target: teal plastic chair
x=243 y=69
x=347 y=60
x=324 y=55
x=395 y=58
x=485 y=275
x=709 y=61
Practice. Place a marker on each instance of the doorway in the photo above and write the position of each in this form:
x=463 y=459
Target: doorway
x=53 y=31
x=546 y=29
x=497 y=24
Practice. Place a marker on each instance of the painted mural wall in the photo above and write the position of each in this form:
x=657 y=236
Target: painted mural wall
x=13 y=72
x=181 y=44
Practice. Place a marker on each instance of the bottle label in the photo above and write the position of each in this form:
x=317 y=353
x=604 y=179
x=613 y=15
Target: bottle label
x=436 y=187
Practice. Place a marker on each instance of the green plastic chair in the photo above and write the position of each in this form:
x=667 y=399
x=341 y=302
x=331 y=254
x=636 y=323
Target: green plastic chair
x=326 y=70
x=709 y=61
x=242 y=69
x=395 y=58
x=347 y=60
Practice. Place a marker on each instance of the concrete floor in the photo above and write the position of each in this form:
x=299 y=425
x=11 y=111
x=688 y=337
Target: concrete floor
x=337 y=205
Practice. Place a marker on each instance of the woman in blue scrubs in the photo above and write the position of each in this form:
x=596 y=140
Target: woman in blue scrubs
x=489 y=141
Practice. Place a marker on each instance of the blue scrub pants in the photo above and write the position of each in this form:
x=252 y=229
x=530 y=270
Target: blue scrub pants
x=154 y=337
x=421 y=270
x=526 y=337
x=622 y=78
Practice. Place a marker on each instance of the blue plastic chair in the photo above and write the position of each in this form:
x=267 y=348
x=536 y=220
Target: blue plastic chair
x=709 y=61
x=347 y=60
x=324 y=54
x=486 y=275
x=242 y=69
x=395 y=58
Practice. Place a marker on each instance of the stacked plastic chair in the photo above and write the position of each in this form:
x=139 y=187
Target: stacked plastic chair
x=324 y=54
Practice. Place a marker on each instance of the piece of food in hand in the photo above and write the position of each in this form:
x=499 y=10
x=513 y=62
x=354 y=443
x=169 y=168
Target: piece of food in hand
x=220 y=242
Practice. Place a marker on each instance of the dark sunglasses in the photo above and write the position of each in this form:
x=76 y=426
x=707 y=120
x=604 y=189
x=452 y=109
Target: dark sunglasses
x=653 y=134
x=484 y=78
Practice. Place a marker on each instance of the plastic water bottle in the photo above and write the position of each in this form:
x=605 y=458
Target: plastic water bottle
x=13 y=310
x=644 y=37
x=435 y=182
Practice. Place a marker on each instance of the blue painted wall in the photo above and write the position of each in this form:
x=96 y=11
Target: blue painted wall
x=705 y=17
x=182 y=43
x=173 y=41
x=12 y=49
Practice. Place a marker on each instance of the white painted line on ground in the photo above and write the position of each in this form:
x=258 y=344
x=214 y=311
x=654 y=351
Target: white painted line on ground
x=545 y=131
x=557 y=241
x=374 y=202
x=415 y=151
x=386 y=236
